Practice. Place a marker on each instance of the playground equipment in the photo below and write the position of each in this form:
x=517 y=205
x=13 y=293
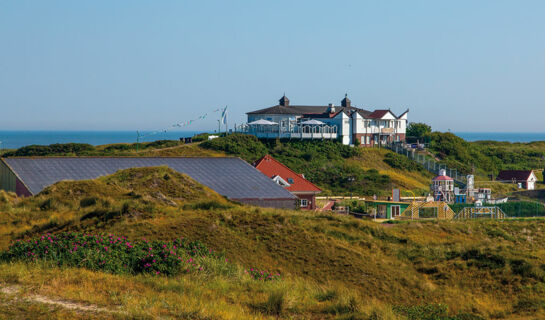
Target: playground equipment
x=440 y=210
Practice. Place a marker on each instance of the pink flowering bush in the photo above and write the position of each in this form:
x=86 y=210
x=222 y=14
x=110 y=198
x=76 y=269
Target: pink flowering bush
x=111 y=253
x=263 y=275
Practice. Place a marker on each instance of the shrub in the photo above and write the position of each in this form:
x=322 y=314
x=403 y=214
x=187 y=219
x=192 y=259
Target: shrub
x=53 y=149
x=111 y=253
x=88 y=202
x=263 y=275
x=245 y=146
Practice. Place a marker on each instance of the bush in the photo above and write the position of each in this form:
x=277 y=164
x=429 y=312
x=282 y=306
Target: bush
x=53 y=149
x=111 y=253
x=263 y=275
x=88 y=202
x=245 y=146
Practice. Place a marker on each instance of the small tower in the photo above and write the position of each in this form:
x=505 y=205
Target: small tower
x=284 y=101
x=346 y=102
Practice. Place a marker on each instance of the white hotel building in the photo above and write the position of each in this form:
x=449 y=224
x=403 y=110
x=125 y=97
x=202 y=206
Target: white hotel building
x=346 y=123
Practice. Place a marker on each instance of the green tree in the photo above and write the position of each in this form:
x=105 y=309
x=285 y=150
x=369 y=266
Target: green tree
x=418 y=130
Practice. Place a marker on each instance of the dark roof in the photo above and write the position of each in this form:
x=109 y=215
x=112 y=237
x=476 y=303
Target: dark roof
x=230 y=177
x=377 y=114
x=308 y=110
x=518 y=175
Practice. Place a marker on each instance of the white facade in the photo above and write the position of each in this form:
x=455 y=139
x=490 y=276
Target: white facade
x=348 y=124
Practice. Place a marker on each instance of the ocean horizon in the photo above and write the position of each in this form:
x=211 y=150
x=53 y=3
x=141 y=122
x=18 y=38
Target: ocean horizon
x=18 y=139
x=502 y=136
x=12 y=139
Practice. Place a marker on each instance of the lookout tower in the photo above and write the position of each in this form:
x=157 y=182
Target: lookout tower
x=443 y=187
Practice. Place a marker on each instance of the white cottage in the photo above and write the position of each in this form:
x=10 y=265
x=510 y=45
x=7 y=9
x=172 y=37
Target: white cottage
x=345 y=122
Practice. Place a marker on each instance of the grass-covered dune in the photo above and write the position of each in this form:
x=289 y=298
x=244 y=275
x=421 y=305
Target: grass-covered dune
x=330 y=267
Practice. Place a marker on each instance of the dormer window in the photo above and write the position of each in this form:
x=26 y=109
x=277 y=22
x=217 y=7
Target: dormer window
x=290 y=180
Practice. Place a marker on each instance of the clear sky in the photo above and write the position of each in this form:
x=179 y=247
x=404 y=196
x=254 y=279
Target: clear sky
x=128 y=65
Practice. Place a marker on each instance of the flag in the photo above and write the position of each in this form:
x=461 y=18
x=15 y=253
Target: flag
x=224 y=115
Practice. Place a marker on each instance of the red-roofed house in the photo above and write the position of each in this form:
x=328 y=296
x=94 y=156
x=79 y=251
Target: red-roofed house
x=525 y=177
x=295 y=183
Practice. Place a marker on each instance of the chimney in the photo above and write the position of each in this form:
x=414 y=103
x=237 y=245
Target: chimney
x=331 y=108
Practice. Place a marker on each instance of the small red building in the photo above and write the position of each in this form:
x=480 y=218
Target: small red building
x=295 y=183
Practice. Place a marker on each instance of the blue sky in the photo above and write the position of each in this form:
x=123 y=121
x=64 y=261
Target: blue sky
x=128 y=65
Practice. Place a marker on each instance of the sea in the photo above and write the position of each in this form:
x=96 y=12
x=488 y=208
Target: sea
x=17 y=139
x=502 y=136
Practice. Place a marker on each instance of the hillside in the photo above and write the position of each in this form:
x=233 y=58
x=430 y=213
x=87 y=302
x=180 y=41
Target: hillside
x=487 y=157
x=331 y=267
x=336 y=168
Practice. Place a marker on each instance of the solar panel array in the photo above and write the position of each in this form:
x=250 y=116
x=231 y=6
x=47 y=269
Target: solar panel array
x=230 y=177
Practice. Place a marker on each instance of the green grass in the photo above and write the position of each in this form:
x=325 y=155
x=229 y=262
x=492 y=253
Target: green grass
x=331 y=266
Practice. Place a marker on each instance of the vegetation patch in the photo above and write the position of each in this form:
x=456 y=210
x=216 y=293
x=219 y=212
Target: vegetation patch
x=111 y=253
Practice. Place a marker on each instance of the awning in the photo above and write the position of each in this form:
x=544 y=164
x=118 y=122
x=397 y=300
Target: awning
x=262 y=122
x=312 y=122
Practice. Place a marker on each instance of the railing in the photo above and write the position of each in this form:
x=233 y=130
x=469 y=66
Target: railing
x=481 y=212
x=428 y=162
x=442 y=210
x=292 y=132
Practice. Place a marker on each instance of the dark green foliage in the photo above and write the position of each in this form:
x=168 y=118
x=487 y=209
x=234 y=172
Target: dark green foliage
x=418 y=130
x=487 y=157
x=398 y=161
x=53 y=149
x=88 y=202
x=83 y=149
x=481 y=259
x=200 y=137
x=247 y=147
x=323 y=163
x=110 y=253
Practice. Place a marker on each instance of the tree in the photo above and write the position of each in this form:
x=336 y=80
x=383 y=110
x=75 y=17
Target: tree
x=418 y=130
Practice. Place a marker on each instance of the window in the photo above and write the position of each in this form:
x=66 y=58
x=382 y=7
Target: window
x=304 y=203
x=395 y=211
x=290 y=180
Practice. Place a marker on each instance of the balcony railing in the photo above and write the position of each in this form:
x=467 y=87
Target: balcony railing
x=292 y=132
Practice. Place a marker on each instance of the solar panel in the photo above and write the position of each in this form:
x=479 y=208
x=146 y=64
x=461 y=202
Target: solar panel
x=230 y=177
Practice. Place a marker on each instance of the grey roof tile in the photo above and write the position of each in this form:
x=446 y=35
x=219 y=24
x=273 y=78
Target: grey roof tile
x=230 y=177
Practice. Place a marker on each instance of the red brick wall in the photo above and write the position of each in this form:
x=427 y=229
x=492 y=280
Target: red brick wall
x=311 y=201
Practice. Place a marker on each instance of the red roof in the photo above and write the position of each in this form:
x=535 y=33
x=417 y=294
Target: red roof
x=377 y=114
x=442 y=178
x=271 y=168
